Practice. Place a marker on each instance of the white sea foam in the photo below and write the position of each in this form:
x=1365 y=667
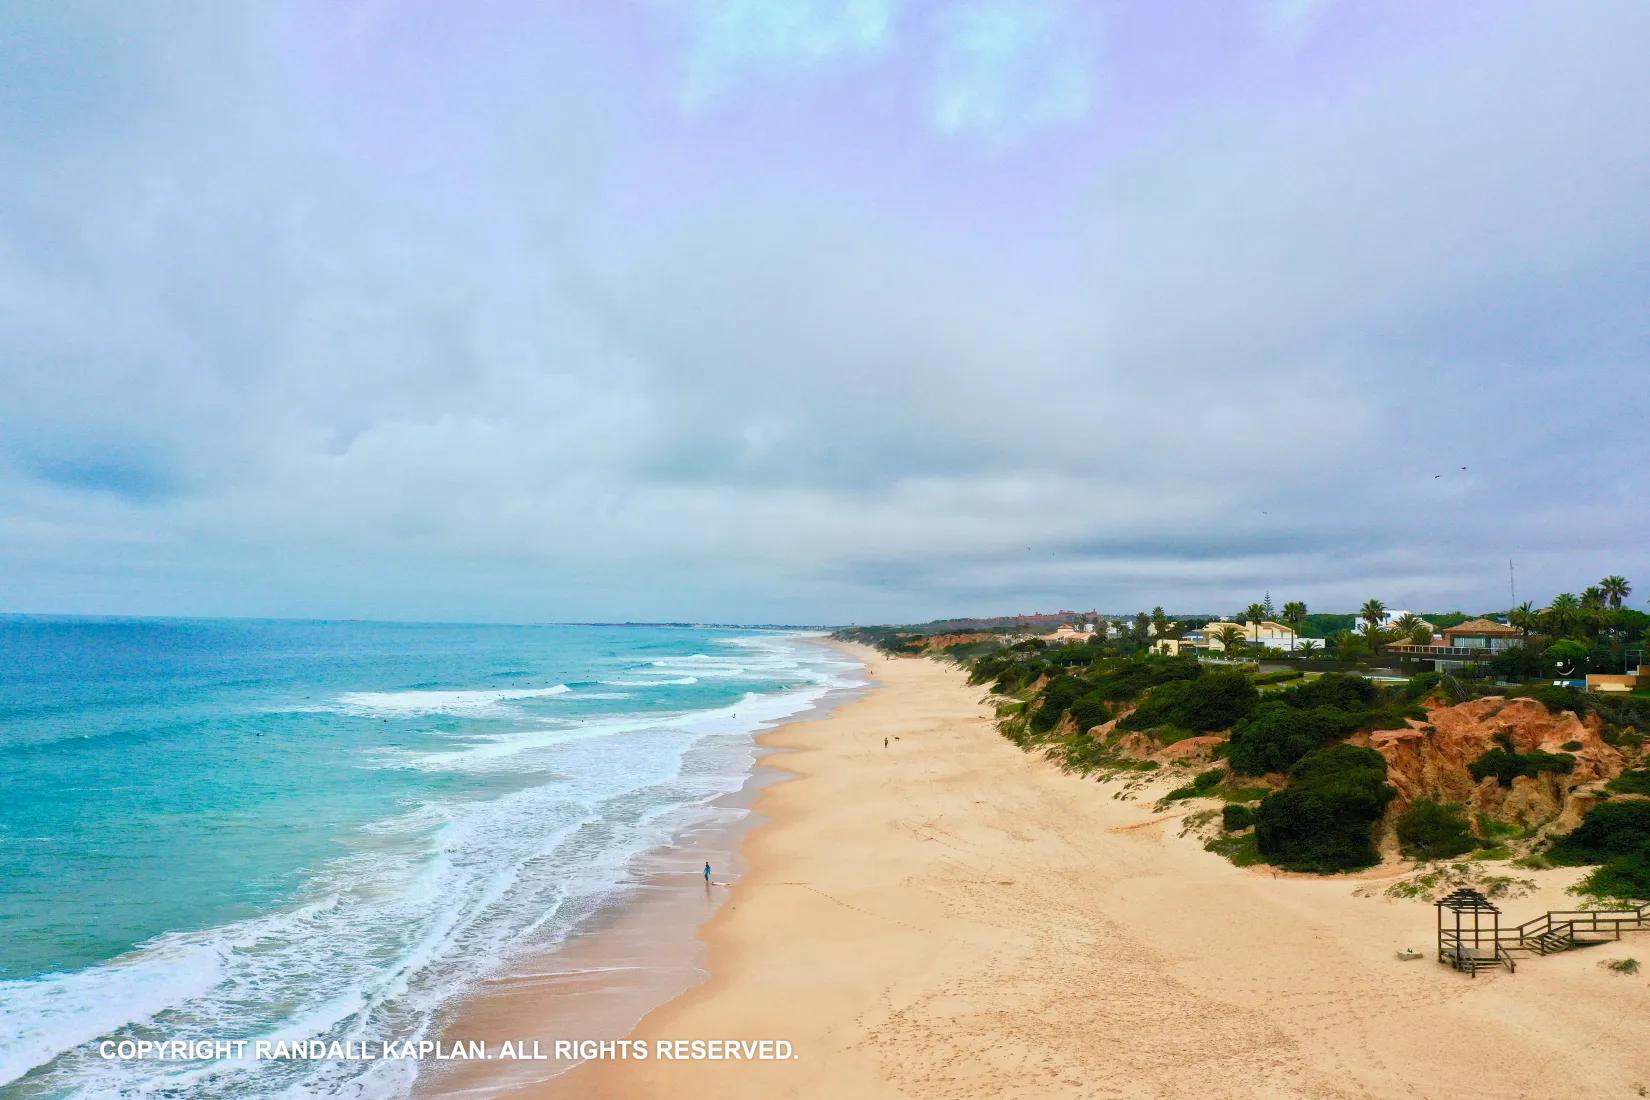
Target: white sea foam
x=441 y=702
x=444 y=894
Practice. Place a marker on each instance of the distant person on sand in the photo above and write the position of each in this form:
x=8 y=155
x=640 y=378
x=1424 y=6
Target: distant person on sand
x=707 y=874
x=885 y=742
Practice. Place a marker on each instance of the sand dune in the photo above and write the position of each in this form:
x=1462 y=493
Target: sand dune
x=952 y=918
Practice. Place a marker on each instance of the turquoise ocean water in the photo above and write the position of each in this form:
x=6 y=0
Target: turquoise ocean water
x=240 y=829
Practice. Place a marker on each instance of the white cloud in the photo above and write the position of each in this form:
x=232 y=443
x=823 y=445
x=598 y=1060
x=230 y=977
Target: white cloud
x=734 y=41
x=1007 y=68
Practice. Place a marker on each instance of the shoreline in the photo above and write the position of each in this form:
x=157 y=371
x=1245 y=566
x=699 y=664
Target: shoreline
x=635 y=954
x=955 y=917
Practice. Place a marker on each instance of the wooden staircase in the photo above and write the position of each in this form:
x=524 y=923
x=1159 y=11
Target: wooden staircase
x=1552 y=932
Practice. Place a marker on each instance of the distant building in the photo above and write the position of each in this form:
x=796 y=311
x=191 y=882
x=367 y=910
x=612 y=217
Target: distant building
x=1274 y=636
x=1471 y=642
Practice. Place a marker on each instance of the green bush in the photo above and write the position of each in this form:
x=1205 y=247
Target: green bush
x=1333 y=689
x=1090 y=711
x=1120 y=681
x=1615 y=835
x=1615 y=828
x=1521 y=663
x=1434 y=830
x=1197 y=788
x=1213 y=701
x=1324 y=820
x=1636 y=781
x=1507 y=765
x=1236 y=817
x=1058 y=694
x=1278 y=734
x=1557 y=699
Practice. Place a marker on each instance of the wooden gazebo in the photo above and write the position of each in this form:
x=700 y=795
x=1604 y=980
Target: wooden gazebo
x=1470 y=947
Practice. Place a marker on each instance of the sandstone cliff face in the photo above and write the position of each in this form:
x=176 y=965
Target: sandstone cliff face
x=1430 y=760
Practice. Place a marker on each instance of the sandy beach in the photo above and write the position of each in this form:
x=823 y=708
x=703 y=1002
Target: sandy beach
x=950 y=917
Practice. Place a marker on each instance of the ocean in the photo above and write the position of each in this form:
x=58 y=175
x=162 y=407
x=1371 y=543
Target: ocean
x=220 y=830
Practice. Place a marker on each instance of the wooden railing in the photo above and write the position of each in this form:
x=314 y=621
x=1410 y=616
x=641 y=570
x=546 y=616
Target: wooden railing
x=1551 y=932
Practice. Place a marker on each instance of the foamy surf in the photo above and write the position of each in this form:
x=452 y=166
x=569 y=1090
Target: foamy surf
x=442 y=702
x=433 y=898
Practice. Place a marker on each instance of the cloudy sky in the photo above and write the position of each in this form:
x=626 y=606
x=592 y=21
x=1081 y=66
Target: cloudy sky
x=819 y=310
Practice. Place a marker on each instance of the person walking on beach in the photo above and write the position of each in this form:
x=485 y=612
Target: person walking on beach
x=707 y=874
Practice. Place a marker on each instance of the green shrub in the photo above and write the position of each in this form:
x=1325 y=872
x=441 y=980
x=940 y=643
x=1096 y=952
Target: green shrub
x=1333 y=689
x=1278 y=734
x=1615 y=835
x=1058 y=694
x=1626 y=877
x=1507 y=765
x=1197 y=788
x=1571 y=746
x=1557 y=699
x=1324 y=820
x=1241 y=850
x=1636 y=781
x=1090 y=711
x=1521 y=663
x=1434 y=830
x=1213 y=701
x=1615 y=828
x=1236 y=817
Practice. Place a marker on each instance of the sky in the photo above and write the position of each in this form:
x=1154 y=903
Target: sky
x=815 y=311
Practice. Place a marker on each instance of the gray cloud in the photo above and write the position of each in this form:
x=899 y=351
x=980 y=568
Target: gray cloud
x=255 y=364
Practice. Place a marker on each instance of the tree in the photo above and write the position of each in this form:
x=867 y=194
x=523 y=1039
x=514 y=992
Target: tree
x=1526 y=618
x=1160 y=621
x=1141 y=622
x=1373 y=613
x=1229 y=637
x=1592 y=596
x=1568 y=656
x=1308 y=647
x=1616 y=590
x=1421 y=634
x=1407 y=622
x=1562 y=614
x=1254 y=614
x=1346 y=645
x=1294 y=613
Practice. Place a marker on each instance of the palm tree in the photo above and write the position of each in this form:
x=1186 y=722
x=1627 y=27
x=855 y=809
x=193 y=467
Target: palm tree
x=1160 y=621
x=1616 y=590
x=1294 y=613
x=1407 y=622
x=1373 y=613
x=1592 y=597
x=1254 y=613
x=1308 y=647
x=1526 y=618
x=1229 y=637
x=1561 y=614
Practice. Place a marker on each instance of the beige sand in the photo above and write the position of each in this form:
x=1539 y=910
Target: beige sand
x=952 y=917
